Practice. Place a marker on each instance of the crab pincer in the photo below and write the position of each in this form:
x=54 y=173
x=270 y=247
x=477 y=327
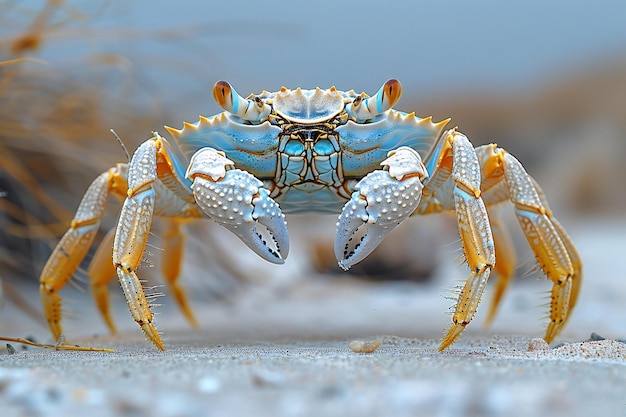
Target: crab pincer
x=382 y=200
x=238 y=201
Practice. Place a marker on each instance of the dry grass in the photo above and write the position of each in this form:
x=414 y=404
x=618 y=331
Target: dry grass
x=54 y=131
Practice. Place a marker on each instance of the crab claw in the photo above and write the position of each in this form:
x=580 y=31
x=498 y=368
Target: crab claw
x=252 y=109
x=237 y=200
x=382 y=200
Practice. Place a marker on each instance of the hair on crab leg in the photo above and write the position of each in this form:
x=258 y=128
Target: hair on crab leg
x=72 y=248
x=101 y=273
x=132 y=233
x=553 y=249
x=173 y=251
x=474 y=230
x=506 y=261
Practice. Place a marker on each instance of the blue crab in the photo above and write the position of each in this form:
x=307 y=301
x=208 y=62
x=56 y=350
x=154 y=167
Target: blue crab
x=322 y=151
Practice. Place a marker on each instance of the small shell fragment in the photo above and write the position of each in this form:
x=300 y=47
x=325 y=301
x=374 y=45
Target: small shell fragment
x=360 y=346
x=538 y=344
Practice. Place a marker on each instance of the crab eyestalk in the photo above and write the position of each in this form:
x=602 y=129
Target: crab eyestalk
x=252 y=109
x=363 y=109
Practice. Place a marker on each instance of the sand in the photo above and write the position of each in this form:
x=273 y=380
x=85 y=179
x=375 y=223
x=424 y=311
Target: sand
x=285 y=352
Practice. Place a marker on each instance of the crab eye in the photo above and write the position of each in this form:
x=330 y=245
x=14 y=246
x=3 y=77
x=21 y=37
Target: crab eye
x=363 y=109
x=253 y=110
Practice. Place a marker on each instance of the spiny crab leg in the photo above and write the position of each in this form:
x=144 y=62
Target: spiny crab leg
x=506 y=179
x=173 y=251
x=455 y=156
x=132 y=234
x=577 y=265
x=101 y=273
x=506 y=261
x=74 y=245
x=546 y=238
x=382 y=200
x=237 y=200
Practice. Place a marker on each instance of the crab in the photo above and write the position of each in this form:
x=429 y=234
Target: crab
x=322 y=151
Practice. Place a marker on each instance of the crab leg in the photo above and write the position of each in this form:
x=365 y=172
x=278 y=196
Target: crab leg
x=574 y=259
x=506 y=260
x=101 y=273
x=173 y=248
x=74 y=245
x=132 y=233
x=553 y=248
x=454 y=159
x=475 y=233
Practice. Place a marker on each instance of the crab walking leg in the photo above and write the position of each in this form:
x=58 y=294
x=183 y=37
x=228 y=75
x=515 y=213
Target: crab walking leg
x=173 y=249
x=577 y=265
x=495 y=192
x=474 y=229
x=506 y=260
x=573 y=256
x=132 y=233
x=553 y=249
x=74 y=245
x=101 y=273
x=544 y=239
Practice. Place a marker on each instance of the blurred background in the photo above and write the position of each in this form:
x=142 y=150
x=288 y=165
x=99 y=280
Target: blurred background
x=545 y=80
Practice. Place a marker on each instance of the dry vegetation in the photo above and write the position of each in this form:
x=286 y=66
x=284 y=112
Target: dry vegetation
x=54 y=131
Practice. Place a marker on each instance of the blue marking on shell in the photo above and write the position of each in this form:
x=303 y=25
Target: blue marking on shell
x=324 y=147
x=294 y=147
x=364 y=146
x=251 y=147
x=179 y=163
